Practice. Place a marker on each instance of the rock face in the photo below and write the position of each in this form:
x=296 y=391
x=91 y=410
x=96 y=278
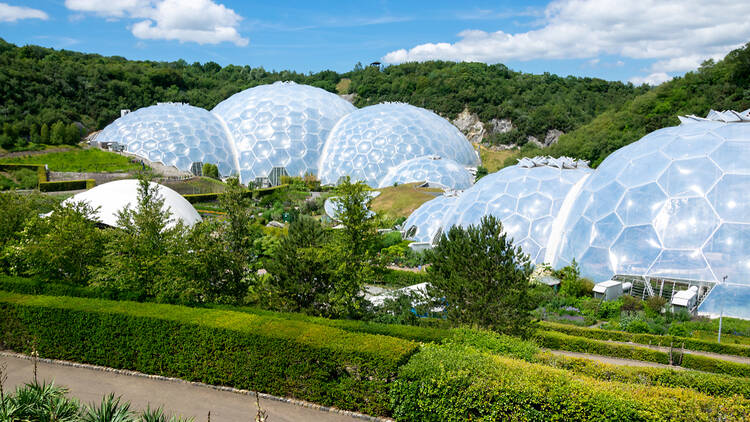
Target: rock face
x=470 y=125
x=551 y=138
x=348 y=97
x=501 y=126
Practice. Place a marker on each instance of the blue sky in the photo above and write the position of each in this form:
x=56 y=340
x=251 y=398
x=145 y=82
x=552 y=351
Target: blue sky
x=643 y=41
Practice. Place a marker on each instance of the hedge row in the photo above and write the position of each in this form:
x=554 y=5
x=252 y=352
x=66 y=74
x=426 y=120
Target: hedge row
x=195 y=198
x=41 y=169
x=399 y=278
x=64 y=185
x=36 y=287
x=283 y=357
x=452 y=383
x=650 y=339
x=712 y=384
x=560 y=341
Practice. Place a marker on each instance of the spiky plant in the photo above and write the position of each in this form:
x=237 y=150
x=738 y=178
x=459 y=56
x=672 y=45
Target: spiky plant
x=158 y=415
x=111 y=409
x=41 y=402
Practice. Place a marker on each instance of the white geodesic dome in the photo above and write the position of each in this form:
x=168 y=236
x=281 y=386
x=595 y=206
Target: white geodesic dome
x=425 y=223
x=673 y=204
x=175 y=135
x=431 y=169
x=369 y=142
x=110 y=198
x=526 y=198
x=282 y=125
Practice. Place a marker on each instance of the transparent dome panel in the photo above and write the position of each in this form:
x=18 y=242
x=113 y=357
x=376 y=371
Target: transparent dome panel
x=380 y=137
x=175 y=135
x=434 y=170
x=283 y=124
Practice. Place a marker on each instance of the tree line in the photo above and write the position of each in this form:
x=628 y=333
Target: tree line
x=44 y=86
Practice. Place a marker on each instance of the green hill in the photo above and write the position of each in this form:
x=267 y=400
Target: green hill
x=721 y=86
x=42 y=86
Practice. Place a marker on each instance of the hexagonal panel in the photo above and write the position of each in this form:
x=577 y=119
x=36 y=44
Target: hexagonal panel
x=398 y=132
x=443 y=171
x=727 y=254
x=692 y=177
x=685 y=223
x=635 y=250
x=640 y=205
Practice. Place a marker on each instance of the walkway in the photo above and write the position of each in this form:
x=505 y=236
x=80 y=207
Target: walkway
x=187 y=399
x=613 y=361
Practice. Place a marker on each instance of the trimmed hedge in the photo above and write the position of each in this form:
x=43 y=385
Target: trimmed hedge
x=399 y=278
x=712 y=384
x=41 y=170
x=64 y=185
x=282 y=357
x=559 y=341
x=650 y=339
x=195 y=198
x=451 y=383
x=36 y=287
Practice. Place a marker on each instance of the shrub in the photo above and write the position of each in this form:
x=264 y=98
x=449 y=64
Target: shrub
x=281 y=357
x=559 y=341
x=67 y=185
x=631 y=304
x=688 y=343
x=453 y=383
x=712 y=384
x=489 y=341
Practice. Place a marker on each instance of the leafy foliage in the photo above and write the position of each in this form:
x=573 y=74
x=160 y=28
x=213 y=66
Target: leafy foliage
x=482 y=278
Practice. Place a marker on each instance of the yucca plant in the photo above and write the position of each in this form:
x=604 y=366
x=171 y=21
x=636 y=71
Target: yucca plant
x=111 y=409
x=158 y=415
x=40 y=402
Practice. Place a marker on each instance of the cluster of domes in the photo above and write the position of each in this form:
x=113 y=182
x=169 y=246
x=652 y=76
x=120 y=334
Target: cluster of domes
x=290 y=129
x=673 y=204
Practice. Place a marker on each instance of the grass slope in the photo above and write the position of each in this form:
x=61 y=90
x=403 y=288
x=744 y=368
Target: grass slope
x=494 y=160
x=78 y=160
x=402 y=200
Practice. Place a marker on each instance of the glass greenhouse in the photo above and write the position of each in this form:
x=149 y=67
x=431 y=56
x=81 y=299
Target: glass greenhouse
x=368 y=142
x=673 y=204
x=282 y=125
x=111 y=198
x=175 y=135
x=526 y=198
x=425 y=223
x=434 y=170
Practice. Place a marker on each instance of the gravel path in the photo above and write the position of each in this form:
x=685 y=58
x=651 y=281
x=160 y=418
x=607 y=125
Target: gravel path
x=730 y=358
x=90 y=384
x=612 y=361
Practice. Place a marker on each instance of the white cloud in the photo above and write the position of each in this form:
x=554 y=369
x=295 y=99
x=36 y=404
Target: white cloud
x=678 y=34
x=652 y=79
x=10 y=13
x=199 y=21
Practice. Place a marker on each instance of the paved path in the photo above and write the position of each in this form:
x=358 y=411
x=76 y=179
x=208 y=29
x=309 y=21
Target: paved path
x=613 y=361
x=665 y=349
x=190 y=400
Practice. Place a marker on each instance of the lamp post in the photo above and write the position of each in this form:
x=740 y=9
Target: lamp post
x=721 y=315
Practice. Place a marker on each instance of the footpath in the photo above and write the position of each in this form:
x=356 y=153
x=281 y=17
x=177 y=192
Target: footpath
x=89 y=384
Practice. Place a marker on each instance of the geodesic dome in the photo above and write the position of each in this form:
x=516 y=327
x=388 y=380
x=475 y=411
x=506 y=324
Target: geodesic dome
x=280 y=125
x=370 y=141
x=431 y=169
x=175 y=135
x=526 y=198
x=673 y=204
x=113 y=197
x=425 y=223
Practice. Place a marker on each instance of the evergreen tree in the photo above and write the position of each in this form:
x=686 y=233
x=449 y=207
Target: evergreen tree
x=72 y=134
x=482 y=278
x=44 y=134
x=57 y=133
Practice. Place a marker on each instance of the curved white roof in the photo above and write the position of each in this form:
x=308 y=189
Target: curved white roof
x=175 y=135
x=370 y=141
x=283 y=124
x=112 y=197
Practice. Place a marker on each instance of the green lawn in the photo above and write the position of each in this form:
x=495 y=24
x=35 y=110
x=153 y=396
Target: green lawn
x=402 y=200
x=79 y=160
x=494 y=160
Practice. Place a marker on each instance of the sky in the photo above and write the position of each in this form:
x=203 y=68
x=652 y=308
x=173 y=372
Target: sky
x=641 y=41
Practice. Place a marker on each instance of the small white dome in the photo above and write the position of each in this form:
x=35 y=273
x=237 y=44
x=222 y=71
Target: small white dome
x=112 y=197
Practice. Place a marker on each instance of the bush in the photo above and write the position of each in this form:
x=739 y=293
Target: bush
x=688 y=343
x=281 y=357
x=398 y=278
x=559 y=341
x=453 y=383
x=489 y=341
x=67 y=185
x=712 y=384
